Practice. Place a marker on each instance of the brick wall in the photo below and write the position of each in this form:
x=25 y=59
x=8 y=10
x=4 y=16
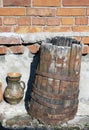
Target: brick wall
x=28 y=16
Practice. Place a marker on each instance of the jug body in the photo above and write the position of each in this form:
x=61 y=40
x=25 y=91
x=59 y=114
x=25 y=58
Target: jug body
x=14 y=90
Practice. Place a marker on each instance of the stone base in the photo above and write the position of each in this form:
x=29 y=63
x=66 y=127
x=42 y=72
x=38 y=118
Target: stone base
x=25 y=122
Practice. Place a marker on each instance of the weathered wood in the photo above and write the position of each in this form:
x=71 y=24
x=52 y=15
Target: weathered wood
x=56 y=88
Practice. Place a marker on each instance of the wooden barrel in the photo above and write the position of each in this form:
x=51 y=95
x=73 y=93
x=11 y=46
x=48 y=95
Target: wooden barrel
x=56 y=88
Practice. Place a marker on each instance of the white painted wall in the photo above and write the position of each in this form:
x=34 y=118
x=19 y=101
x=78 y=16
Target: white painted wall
x=84 y=87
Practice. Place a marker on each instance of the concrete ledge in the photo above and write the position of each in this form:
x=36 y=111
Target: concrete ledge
x=15 y=41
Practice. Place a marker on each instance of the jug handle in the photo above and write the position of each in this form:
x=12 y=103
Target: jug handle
x=22 y=82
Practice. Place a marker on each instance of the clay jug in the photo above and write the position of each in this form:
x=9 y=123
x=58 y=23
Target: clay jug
x=1 y=95
x=14 y=91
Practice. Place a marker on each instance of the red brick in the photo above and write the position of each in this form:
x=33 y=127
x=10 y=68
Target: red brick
x=53 y=21
x=3 y=50
x=5 y=29
x=33 y=48
x=17 y=49
x=81 y=21
x=46 y=3
x=78 y=38
x=80 y=28
x=38 y=21
x=12 y=11
x=40 y=12
x=9 y=20
x=27 y=29
x=57 y=29
x=24 y=21
x=87 y=11
x=85 y=40
x=75 y=2
x=16 y=2
x=9 y=40
x=67 y=21
x=70 y=12
x=85 y=49
x=0 y=21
